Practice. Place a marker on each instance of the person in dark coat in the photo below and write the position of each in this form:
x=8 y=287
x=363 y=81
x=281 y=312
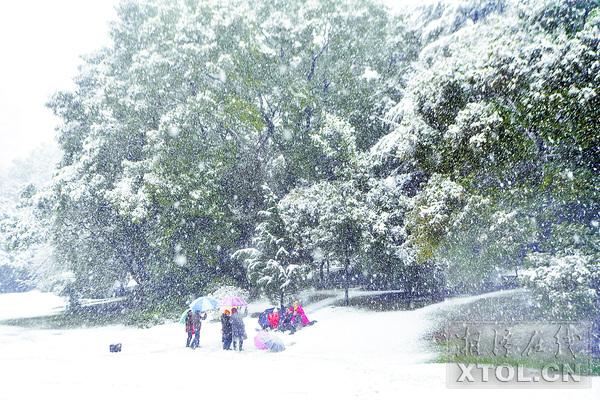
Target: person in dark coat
x=197 y=324
x=226 y=330
x=290 y=321
x=238 y=329
x=189 y=327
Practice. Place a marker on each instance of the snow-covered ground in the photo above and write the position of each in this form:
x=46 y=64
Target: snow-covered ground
x=349 y=353
x=30 y=304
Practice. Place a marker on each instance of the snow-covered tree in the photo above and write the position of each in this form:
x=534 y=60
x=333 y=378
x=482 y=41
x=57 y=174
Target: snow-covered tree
x=26 y=253
x=190 y=100
x=499 y=105
x=461 y=136
x=273 y=264
x=328 y=217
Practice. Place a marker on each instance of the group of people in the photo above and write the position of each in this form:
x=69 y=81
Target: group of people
x=233 y=330
x=285 y=318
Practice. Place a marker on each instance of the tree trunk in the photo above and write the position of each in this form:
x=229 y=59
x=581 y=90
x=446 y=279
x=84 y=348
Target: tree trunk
x=321 y=277
x=346 y=282
x=281 y=299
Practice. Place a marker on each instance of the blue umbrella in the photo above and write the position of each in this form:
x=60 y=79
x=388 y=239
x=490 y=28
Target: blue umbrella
x=203 y=304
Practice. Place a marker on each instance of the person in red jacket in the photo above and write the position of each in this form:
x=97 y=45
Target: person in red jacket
x=273 y=319
x=189 y=327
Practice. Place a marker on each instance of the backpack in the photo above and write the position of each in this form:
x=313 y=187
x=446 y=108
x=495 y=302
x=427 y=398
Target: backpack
x=115 y=348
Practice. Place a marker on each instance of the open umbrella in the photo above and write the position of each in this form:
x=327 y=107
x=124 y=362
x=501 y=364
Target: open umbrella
x=203 y=304
x=233 y=301
x=275 y=344
x=260 y=340
x=267 y=341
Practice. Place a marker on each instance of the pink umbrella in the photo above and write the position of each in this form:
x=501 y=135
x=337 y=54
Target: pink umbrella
x=233 y=301
x=260 y=340
x=268 y=341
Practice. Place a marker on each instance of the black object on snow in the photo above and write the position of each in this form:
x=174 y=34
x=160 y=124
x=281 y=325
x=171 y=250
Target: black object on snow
x=115 y=348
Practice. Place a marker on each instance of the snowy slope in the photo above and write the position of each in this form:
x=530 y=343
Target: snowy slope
x=348 y=354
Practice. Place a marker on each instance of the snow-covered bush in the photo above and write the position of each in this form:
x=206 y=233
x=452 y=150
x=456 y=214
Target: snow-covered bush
x=567 y=284
x=475 y=128
x=229 y=291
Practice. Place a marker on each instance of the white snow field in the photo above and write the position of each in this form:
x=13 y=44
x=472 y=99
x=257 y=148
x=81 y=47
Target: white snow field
x=347 y=354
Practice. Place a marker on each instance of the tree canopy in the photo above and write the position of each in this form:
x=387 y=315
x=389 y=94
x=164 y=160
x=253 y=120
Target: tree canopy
x=261 y=143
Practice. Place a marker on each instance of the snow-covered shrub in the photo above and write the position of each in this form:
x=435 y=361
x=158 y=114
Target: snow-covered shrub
x=229 y=291
x=476 y=127
x=485 y=240
x=565 y=283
